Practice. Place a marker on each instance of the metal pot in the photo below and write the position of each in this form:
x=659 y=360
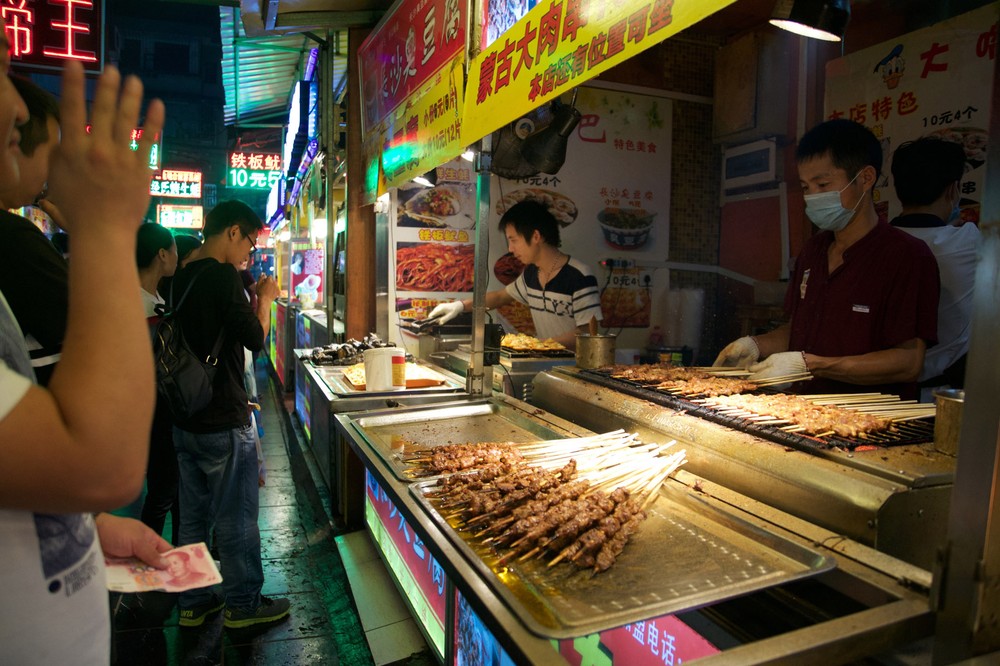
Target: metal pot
x=948 y=419
x=594 y=351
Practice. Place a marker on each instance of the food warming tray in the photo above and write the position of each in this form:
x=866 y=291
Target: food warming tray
x=685 y=555
x=333 y=377
x=482 y=421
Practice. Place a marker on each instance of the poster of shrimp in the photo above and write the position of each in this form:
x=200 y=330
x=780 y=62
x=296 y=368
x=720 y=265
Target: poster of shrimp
x=930 y=82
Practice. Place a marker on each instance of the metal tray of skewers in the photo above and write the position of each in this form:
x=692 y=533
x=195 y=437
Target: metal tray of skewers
x=395 y=433
x=581 y=535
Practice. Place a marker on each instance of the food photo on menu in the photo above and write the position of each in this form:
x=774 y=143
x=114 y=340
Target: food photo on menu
x=446 y=206
x=431 y=267
x=188 y=567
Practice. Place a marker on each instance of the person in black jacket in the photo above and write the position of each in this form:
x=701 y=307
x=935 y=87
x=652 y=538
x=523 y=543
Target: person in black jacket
x=33 y=273
x=216 y=450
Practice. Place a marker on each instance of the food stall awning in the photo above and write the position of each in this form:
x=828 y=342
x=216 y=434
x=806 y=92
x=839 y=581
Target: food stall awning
x=535 y=60
x=266 y=45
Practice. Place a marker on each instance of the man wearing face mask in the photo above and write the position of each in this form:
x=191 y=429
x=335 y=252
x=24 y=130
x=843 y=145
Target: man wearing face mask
x=862 y=300
x=927 y=175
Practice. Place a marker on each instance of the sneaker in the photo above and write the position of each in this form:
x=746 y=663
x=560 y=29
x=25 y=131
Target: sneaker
x=196 y=616
x=270 y=610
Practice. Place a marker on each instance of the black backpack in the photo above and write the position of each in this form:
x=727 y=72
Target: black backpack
x=183 y=378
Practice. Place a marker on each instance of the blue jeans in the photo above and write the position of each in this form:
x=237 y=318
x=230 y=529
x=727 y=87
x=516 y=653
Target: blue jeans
x=218 y=488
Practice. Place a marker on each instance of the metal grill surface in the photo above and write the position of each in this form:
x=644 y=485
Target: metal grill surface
x=908 y=432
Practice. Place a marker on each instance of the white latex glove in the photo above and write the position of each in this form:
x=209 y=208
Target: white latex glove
x=739 y=353
x=447 y=311
x=781 y=364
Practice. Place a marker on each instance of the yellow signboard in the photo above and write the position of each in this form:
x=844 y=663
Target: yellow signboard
x=559 y=45
x=420 y=134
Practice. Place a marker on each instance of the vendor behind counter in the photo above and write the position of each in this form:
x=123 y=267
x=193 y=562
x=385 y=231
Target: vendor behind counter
x=863 y=297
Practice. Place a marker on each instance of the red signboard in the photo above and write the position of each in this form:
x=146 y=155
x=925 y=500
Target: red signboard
x=44 y=34
x=411 y=45
x=419 y=575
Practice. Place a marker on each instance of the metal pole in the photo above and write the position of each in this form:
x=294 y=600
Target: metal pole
x=480 y=380
x=327 y=120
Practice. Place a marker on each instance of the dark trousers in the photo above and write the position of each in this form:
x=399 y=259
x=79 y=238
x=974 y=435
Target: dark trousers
x=162 y=476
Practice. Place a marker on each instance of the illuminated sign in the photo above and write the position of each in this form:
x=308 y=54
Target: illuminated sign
x=421 y=579
x=255 y=171
x=557 y=46
x=180 y=217
x=175 y=183
x=415 y=41
x=44 y=34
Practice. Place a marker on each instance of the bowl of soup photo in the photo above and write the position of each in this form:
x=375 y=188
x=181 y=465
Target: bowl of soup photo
x=626 y=228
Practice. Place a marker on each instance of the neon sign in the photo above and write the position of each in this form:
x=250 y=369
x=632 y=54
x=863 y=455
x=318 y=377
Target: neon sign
x=255 y=171
x=180 y=217
x=44 y=34
x=176 y=183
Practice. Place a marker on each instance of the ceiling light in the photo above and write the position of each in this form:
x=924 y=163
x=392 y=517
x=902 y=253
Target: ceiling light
x=818 y=19
x=469 y=156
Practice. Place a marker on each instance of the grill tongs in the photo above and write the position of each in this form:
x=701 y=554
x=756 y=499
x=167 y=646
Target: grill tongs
x=422 y=325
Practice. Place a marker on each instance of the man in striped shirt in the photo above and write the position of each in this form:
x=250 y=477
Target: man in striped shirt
x=560 y=291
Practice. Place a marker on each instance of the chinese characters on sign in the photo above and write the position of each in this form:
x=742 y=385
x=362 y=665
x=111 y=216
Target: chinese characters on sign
x=927 y=82
x=44 y=34
x=558 y=45
x=254 y=171
x=414 y=43
x=419 y=575
x=180 y=217
x=175 y=183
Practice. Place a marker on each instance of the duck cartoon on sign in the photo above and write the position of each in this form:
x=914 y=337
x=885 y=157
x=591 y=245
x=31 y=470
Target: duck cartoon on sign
x=892 y=67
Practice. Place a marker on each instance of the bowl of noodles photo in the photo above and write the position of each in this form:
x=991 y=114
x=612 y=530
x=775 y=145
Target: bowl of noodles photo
x=626 y=228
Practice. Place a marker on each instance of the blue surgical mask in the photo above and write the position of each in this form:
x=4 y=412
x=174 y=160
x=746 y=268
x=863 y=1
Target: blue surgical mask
x=826 y=211
x=955 y=219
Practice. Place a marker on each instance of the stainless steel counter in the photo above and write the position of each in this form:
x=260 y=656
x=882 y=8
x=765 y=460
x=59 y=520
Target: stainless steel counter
x=891 y=594
x=321 y=393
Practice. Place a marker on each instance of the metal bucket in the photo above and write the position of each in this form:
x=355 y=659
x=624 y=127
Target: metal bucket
x=594 y=351
x=948 y=419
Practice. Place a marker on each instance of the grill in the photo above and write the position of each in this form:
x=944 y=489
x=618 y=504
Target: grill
x=906 y=432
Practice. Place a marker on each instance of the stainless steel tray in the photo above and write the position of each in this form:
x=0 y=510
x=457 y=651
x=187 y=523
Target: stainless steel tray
x=686 y=554
x=333 y=377
x=475 y=421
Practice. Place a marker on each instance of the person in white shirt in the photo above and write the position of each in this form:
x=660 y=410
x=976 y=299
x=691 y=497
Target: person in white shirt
x=927 y=175
x=79 y=445
x=561 y=292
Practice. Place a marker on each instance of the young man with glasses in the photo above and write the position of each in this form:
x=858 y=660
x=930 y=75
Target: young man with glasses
x=216 y=448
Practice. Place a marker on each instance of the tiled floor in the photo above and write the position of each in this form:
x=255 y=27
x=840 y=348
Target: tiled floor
x=301 y=561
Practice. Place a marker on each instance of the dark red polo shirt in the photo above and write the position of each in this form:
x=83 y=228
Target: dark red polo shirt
x=885 y=292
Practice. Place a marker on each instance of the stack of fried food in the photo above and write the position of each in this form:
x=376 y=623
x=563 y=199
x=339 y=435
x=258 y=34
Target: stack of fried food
x=577 y=500
x=522 y=342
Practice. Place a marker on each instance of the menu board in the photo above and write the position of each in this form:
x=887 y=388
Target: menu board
x=433 y=242
x=934 y=81
x=612 y=202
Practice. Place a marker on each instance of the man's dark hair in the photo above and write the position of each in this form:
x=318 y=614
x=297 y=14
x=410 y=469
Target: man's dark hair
x=529 y=216
x=922 y=169
x=186 y=244
x=228 y=213
x=150 y=239
x=42 y=105
x=851 y=146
